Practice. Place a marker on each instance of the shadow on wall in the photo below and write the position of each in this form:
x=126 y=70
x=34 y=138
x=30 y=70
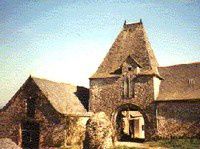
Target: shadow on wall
x=49 y=112
x=83 y=95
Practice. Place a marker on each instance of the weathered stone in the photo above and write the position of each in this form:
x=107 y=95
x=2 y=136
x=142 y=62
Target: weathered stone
x=98 y=132
x=6 y=143
x=50 y=120
x=178 y=119
x=128 y=80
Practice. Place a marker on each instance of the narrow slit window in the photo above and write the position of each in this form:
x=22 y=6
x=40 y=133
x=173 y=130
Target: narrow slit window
x=132 y=89
x=125 y=91
x=31 y=107
x=128 y=88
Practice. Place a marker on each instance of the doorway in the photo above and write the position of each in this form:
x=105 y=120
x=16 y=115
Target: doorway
x=30 y=135
x=129 y=124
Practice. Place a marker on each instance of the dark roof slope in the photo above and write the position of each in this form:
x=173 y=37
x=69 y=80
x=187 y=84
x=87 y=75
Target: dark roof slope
x=65 y=98
x=131 y=41
x=181 y=82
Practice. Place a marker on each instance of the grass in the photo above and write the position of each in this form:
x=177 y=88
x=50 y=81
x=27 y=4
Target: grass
x=177 y=143
x=171 y=144
x=125 y=147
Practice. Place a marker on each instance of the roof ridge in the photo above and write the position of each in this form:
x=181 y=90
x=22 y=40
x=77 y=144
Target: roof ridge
x=15 y=95
x=44 y=79
x=190 y=63
x=108 y=53
x=60 y=94
x=132 y=24
x=132 y=59
x=149 y=49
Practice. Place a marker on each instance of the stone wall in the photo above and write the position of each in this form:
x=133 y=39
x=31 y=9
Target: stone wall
x=178 y=119
x=10 y=119
x=14 y=113
x=106 y=96
x=70 y=133
x=52 y=123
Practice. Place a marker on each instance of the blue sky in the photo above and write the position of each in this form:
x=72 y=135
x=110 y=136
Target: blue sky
x=66 y=40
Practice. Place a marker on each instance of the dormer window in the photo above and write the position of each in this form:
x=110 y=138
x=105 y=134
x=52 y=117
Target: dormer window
x=137 y=70
x=127 y=67
x=130 y=65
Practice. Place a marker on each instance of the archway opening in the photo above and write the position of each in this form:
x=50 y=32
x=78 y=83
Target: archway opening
x=129 y=124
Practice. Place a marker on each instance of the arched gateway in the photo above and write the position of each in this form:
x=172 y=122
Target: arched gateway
x=129 y=123
x=128 y=76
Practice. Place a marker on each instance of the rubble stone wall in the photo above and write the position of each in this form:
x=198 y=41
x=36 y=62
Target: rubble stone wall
x=178 y=119
x=14 y=113
x=106 y=96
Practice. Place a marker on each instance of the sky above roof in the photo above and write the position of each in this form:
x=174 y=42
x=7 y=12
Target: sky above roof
x=65 y=41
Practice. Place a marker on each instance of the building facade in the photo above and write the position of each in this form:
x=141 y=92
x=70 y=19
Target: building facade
x=129 y=79
x=36 y=115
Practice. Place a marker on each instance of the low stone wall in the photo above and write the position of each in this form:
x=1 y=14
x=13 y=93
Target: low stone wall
x=178 y=119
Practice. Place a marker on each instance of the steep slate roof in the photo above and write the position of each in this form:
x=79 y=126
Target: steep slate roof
x=131 y=41
x=181 y=82
x=63 y=97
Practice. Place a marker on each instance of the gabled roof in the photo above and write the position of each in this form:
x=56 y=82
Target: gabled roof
x=131 y=61
x=180 y=82
x=132 y=40
x=65 y=98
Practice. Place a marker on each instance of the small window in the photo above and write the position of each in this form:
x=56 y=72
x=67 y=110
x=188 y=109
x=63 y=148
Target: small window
x=191 y=81
x=129 y=68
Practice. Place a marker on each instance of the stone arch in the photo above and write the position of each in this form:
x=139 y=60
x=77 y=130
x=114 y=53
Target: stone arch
x=127 y=107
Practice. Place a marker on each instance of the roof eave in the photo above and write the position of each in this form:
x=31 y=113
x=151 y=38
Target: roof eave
x=116 y=76
x=177 y=99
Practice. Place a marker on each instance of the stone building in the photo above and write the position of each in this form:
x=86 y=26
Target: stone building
x=143 y=100
x=130 y=80
x=36 y=115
